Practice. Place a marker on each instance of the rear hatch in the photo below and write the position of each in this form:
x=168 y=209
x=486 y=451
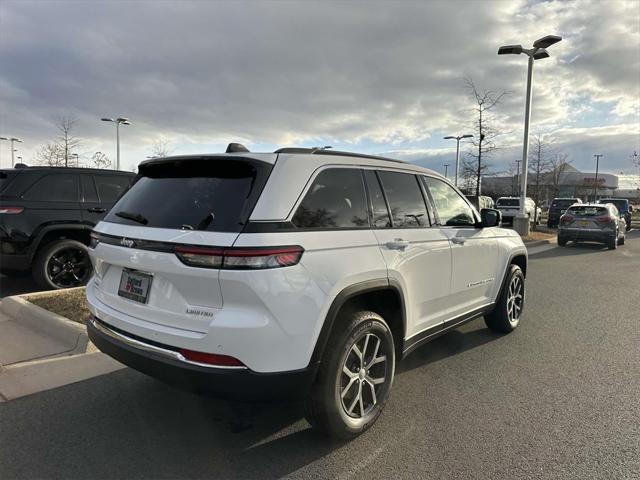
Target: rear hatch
x=588 y=217
x=508 y=205
x=175 y=203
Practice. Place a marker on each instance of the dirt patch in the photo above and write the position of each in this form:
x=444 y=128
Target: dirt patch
x=71 y=303
x=534 y=236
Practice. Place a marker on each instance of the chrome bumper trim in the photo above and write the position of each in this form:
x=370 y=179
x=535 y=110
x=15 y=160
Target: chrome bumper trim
x=134 y=343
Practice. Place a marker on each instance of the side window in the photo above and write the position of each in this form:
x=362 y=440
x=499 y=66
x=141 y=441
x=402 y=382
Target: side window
x=110 y=187
x=451 y=207
x=336 y=199
x=378 y=205
x=406 y=202
x=89 y=193
x=54 y=188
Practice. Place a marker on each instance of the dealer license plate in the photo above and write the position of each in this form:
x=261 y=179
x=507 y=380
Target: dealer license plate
x=135 y=285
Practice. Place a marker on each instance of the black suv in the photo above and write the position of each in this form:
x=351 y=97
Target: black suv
x=46 y=216
x=557 y=208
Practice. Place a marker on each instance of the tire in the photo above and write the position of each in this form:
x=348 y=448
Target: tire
x=62 y=264
x=562 y=241
x=506 y=315
x=347 y=416
x=612 y=243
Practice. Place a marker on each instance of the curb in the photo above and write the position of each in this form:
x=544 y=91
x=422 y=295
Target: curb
x=65 y=331
x=538 y=243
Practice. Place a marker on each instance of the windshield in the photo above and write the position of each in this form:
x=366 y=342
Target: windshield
x=213 y=195
x=588 y=211
x=563 y=203
x=508 y=202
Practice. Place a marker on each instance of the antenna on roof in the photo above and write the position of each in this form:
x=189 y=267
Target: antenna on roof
x=236 y=147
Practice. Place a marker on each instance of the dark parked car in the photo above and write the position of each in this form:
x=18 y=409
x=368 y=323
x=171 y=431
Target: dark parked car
x=46 y=216
x=594 y=223
x=557 y=208
x=623 y=206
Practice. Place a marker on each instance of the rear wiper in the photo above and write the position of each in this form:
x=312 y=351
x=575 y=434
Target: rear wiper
x=136 y=217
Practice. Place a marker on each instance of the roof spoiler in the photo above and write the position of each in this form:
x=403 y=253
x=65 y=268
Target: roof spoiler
x=236 y=148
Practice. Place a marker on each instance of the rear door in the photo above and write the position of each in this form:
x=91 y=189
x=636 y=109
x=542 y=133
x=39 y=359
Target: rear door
x=418 y=256
x=99 y=193
x=53 y=198
x=200 y=204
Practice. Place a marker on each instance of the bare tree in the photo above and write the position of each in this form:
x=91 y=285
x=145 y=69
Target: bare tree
x=51 y=154
x=541 y=152
x=66 y=139
x=161 y=148
x=100 y=160
x=558 y=165
x=485 y=133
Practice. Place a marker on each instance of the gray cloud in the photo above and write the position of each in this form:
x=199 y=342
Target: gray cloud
x=376 y=75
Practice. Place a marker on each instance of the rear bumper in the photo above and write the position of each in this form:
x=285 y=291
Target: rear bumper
x=231 y=383
x=595 y=236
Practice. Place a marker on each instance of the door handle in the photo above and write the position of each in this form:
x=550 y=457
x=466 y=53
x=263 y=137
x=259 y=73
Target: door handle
x=397 y=244
x=96 y=210
x=458 y=240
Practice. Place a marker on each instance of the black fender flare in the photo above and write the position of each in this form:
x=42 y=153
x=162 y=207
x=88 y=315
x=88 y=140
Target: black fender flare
x=42 y=231
x=339 y=301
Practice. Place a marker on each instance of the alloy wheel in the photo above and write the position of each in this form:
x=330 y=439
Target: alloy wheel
x=364 y=374
x=68 y=267
x=515 y=298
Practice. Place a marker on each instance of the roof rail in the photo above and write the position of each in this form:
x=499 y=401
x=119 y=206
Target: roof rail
x=322 y=151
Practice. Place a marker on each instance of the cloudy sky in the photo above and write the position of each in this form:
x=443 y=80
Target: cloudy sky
x=379 y=77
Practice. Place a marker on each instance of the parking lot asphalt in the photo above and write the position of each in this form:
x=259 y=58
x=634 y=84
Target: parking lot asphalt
x=558 y=398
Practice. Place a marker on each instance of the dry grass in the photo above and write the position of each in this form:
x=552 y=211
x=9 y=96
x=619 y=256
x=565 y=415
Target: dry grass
x=534 y=236
x=71 y=303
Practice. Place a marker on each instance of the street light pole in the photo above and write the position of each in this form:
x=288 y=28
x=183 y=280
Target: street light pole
x=446 y=169
x=13 y=150
x=518 y=175
x=457 y=139
x=595 y=184
x=538 y=52
x=117 y=121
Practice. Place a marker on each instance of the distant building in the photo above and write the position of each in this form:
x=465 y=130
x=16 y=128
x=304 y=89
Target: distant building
x=566 y=181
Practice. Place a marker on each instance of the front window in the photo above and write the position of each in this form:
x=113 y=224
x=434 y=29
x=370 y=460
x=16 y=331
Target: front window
x=450 y=206
x=406 y=202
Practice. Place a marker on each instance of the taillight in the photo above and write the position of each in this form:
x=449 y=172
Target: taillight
x=240 y=258
x=604 y=219
x=11 y=210
x=212 y=359
x=566 y=218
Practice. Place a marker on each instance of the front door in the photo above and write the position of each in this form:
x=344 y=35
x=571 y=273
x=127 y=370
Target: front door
x=474 y=250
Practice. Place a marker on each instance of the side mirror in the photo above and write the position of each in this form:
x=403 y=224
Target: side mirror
x=490 y=217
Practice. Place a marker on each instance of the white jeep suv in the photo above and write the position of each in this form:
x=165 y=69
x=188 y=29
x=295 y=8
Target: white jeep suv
x=304 y=273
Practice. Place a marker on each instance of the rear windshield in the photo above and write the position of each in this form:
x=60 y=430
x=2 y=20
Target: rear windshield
x=508 y=202
x=205 y=194
x=588 y=211
x=563 y=203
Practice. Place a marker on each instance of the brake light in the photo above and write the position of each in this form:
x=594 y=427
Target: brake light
x=240 y=258
x=210 y=358
x=605 y=219
x=11 y=210
x=566 y=218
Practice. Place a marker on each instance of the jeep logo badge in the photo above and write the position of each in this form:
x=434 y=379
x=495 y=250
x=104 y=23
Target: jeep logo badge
x=126 y=242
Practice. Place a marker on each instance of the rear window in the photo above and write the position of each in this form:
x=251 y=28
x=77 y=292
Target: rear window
x=563 y=203
x=54 y=188
x=508 y=202
x=587 y=211
x=193 y=194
